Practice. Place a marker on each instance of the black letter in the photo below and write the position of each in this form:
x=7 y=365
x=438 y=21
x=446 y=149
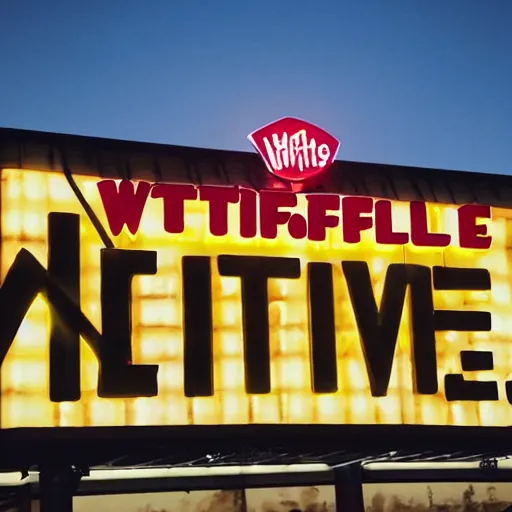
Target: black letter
x=455 y=387
x=24 y=280
x=254 y=272
x=64 y=269
x=379 y=329
x=197 y=326
x=119 y=378
x=324 y=375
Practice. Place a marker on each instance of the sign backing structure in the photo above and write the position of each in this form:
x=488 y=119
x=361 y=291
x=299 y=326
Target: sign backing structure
x=180 y=325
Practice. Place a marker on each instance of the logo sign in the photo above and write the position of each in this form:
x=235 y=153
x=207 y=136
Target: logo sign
x=295 y=150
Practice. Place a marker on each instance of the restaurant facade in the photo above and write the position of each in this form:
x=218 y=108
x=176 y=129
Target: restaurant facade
x=186 y=329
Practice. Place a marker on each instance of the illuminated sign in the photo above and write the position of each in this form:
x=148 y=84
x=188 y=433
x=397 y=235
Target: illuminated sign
x=295 y=150
x=178 y=321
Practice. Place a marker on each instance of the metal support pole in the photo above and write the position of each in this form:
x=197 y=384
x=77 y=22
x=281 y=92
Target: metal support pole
x=57 y=486
x=349 y=488
x=25 y=498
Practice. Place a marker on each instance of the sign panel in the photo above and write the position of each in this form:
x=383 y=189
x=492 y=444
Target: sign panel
x=248 y=307
x=295 y=150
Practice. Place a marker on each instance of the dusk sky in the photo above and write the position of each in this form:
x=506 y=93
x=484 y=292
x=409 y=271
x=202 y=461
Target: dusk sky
x=414 y=82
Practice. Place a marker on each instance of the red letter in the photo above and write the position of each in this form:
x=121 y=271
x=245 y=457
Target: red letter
x=471 y=234
x=420 y=235
x=219 y=198
x=353 y=223
x=270 y=216
x=123 y=206
x=174 y=197
x=297 y=226
x=384 y=233
x=318 y=220
x=247 y=213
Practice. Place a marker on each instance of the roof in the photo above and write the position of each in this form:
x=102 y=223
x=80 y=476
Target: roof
x=108 y=158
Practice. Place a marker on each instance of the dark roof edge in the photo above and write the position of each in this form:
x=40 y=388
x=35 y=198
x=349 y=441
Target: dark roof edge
x=113 y=158
x=103 y=142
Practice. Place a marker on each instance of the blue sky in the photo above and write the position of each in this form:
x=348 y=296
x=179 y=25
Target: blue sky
x=414 y=82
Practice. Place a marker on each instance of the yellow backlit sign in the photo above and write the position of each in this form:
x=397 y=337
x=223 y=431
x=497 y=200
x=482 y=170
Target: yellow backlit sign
x=28 y=197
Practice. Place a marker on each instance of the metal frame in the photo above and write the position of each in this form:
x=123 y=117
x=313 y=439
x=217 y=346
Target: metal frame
x=335 y=445
x=195 y=483
x=63 y=455
x=348 y=480
x=439 y=474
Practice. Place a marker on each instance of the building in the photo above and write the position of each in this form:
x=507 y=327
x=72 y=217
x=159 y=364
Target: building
x=305 y=328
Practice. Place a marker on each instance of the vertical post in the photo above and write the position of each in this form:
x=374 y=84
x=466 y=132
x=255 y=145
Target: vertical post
x=57 y=485
x=349 y=488
x=24 y=497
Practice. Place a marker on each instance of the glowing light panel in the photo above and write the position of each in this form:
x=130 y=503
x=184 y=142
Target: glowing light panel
x=27 y=197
